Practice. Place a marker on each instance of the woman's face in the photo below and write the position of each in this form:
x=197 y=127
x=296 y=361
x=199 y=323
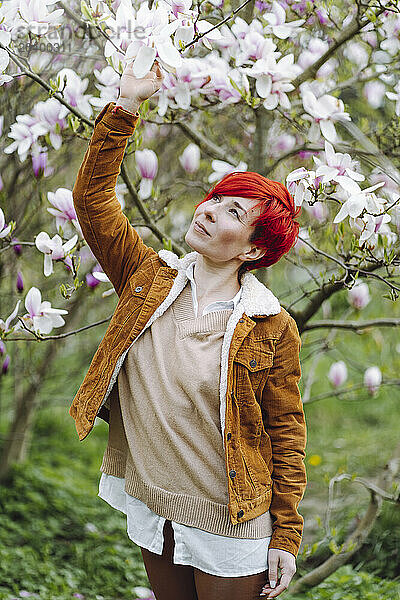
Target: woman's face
x=227 y=223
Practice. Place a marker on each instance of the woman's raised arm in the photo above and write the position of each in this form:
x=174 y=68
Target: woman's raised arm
x=112 y=239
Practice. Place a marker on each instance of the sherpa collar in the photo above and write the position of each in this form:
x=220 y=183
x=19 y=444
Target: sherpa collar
x=256 y=298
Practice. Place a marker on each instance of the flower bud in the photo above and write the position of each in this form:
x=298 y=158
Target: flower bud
x=358 y=296
x=190 y=158
x=372 y=379
x=5 y=365
x=17 y=247
x=2 y=347
x=338 y=373
x=20 y=282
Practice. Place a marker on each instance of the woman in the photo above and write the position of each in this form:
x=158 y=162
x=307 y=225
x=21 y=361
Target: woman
x=197 y=376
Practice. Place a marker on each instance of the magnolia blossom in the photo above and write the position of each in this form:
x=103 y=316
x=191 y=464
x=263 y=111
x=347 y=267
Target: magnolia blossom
x=20 y=282
x=302 y=185
x=64 y=210
x=358 y=296
x=25 y=132
x=335 y=164
x=278 y=25
x=39 y=161
x=273 y=79
x=282 y=144
x=54 y=249
x=372 y=379
x=374 y=225
x=5 y=325
x=324 y=112
x=190 y=158
x=222 y=168
x=51 y=114
x=74 y=89
x=147 y=164
x=358 y=199
x=108 y=84
x=338 y=373
x=41 y=317
x=3 y=229
x=35 y=13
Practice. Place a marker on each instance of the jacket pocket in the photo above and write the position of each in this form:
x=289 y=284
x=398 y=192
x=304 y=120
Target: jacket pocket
x=252 y=367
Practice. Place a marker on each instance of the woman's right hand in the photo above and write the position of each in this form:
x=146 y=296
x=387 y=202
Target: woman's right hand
x=133 y=91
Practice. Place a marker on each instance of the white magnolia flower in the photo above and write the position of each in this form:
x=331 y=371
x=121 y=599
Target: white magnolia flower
x=373 y=225
x=335 y=164
x=273 y=79
x=358 y=199
x=53 y=249
x=40 y=317
x=3 y=229
x=324 y=112
x=25 y=132
x=301 y=184
x=337 y=374
x=222 y=168
x=278 y=25
x=4 y=61
x=35 y=13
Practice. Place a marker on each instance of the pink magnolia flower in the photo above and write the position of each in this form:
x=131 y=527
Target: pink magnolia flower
x=91 y=281
x=2 y=348
x=190 y=158
x=40 y=317
x=358 y=296
x=372 y=379
x=374 y=92
x=64 y=209
x=338 y=373
x=51 y=114
x=278 y=25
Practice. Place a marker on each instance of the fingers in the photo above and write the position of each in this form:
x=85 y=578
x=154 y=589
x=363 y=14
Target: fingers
x=273 y=559
x=283 y=585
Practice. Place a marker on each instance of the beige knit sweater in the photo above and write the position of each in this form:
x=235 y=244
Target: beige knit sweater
x=165 y=437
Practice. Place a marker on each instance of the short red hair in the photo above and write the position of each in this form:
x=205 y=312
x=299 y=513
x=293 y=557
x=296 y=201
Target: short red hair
x=276 y=231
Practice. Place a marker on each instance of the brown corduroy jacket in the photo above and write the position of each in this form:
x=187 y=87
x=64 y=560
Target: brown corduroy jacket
x=262 y=420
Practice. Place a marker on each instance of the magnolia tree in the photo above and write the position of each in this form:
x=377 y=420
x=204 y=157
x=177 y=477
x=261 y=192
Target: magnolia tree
x=305 y=92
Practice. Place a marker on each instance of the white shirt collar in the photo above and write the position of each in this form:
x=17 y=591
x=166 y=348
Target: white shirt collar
x=218 y=305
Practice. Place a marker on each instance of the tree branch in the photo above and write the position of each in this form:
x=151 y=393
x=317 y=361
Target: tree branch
x=353 y=325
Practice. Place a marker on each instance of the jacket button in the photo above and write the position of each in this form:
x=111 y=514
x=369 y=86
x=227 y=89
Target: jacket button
x=228 y=436
x=253 y=363
x=138 y=288
x=240 y=514
x=232 y=395
x=241 y=320
x=232 y=474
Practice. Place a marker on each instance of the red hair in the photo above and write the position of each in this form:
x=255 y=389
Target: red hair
x=276 y=231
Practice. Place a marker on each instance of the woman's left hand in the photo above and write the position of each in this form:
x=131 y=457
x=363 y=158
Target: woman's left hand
x=286 y=562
